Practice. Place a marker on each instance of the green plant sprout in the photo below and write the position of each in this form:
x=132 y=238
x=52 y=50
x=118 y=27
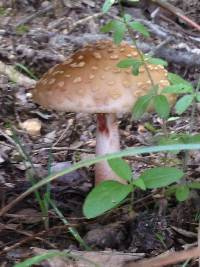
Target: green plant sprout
x=154 y=98
x=26 y=70
x=161 y=239
x=109 y=194
x=22 y=29
x=3 y=11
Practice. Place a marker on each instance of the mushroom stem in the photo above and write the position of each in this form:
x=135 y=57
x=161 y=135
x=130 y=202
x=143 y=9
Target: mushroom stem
x=107 y=141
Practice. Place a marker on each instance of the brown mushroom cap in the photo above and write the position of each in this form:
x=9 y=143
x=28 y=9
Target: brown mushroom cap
x=90 y=81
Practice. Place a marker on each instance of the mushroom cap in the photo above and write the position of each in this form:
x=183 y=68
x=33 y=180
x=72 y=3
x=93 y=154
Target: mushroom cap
x=90 y=81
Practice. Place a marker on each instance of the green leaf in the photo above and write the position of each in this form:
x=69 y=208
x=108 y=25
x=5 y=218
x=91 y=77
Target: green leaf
x=176 y=79
x=183 y=103
x=136 y=67
x=141 y=106
x=173 y=118
x=179 y=139
x=22 y=29
x=127 y=17
x=182 y=193
x=171 y=139
x=198 y=97
x=26 y=70
x=179 y=88
x=39 y=258
x=108 y=26
x=129 y=62
x=117 y=27
x=107 y=5
x=157 y=61
x=149 y=126
x=161 y=106
x=119 y=32
x=139 y=27
x=161 y=176
x=193 y=139
x=194 y=185
x=139 y=183
x=104 y=197
x=121 y=168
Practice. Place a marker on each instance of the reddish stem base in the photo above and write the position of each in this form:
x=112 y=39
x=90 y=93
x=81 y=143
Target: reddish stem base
x=107 y=141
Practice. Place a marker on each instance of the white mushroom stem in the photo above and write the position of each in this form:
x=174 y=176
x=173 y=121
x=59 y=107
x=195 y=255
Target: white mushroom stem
x=107 y=141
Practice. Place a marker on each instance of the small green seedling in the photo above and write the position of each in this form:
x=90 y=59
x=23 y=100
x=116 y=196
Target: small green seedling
x=22 y=29
x=26 y=70
x=109 y=194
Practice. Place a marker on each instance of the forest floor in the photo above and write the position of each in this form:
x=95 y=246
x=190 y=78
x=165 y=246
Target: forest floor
x=34 y=45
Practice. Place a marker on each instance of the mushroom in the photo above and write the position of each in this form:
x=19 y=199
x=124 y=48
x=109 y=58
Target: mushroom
x=90 y=81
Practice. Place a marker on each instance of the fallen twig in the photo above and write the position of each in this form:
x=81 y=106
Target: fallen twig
x=168 y=259
x=85 y=20
x=16 y=76
x=176 y=11
x=173 y=55
x=34 y=15
x=90 y=258
x=30 y=237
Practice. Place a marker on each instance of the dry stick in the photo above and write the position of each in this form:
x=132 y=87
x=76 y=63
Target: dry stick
x=34 y=15
x=11 y=141
x=7 y=227
x=62 y=149
x=159 y=31
x=164 y=260
x=85 y=20
x=159 y=46
x=16 y=76
x=176 y=11
x=34 y=236
x=43 y=54
x=174 y=56
x=165 y=32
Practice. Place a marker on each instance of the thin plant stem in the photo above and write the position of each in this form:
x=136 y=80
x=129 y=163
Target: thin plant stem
x=194 y=106
x=29 y=175
x=191 y=124
x=142 y=58
x=135 y=43
x=72 y=230
x=47 y=195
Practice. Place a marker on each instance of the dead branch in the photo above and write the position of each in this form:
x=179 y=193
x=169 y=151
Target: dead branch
x=44 y=55
x=174 y=55
x=85 y=20
x=168 y=259
x=177 y=12
x=165 y=5
x=16 y=76
x=34 y=15
x=90 y=258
